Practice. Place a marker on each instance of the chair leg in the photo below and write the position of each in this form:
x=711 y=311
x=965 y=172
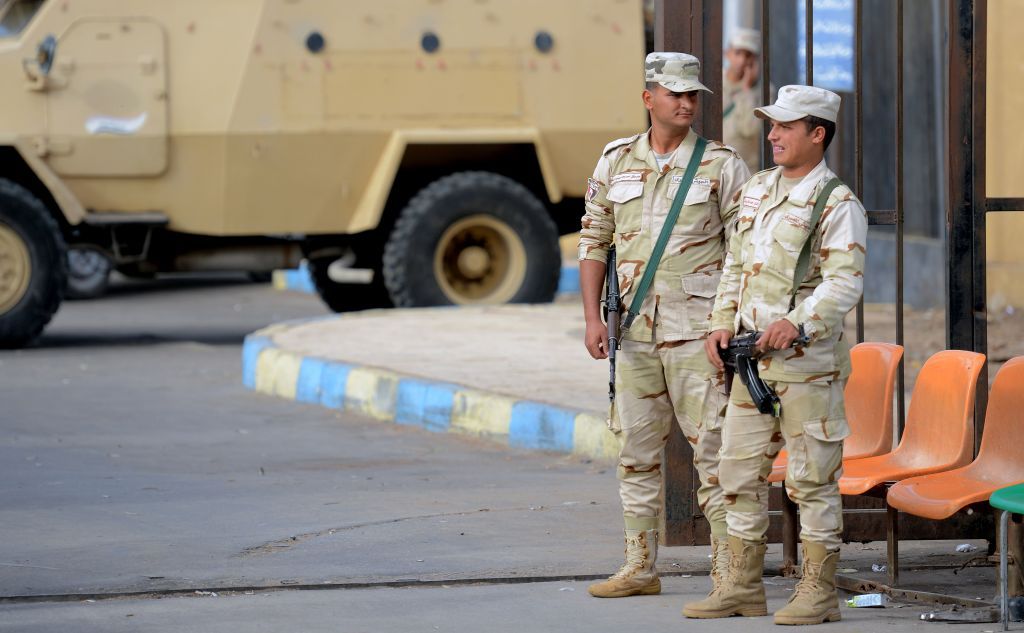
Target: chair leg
x=1004 y=545
x=892 y=537
x=790 y=536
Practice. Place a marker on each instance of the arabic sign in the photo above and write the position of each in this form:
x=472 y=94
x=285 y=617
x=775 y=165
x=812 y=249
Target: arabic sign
x=833 y=43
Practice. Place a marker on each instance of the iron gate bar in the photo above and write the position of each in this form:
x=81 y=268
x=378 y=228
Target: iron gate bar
x=979 y=204
x=1004 y=204
x=886 y=217
x=766 y=88
x=858 y=126
x=901 y=374
x=695 y=27
x=966 y=309
x=809 y=42
x=790 y=531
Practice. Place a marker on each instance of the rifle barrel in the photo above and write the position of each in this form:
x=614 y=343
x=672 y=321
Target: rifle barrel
x=613 y=307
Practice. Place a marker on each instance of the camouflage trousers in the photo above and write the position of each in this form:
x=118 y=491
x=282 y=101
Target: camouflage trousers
x=812 y=427
x=656 y=383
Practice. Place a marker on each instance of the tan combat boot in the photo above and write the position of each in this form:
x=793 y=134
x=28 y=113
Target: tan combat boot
x=815 y=600
x=719 y=560
x=741 y=592
x=638 y=576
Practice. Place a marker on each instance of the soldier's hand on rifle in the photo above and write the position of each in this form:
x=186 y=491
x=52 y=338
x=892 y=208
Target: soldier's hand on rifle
x=596 y=340
x=778 y=335
x=719 y=339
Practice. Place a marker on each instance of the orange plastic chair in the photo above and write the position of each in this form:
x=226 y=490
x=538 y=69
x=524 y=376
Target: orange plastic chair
x=938 y=436
x=868 y=396
x=939 y=429
x=1000 y=461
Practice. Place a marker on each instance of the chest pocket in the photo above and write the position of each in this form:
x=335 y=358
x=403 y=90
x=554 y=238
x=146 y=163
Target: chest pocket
x=695 y=215
x=627 y=197
x=792 y=232
x=788 y=237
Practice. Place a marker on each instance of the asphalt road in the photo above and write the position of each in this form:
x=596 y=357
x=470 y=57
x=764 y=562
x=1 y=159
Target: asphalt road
x=137 y=471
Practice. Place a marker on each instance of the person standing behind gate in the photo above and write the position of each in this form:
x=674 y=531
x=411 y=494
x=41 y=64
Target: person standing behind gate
x=765 y=288
x=663 y=372
x=740 y=128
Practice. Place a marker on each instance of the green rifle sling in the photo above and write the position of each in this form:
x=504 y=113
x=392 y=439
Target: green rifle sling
x=804 y=260
x=666 y=230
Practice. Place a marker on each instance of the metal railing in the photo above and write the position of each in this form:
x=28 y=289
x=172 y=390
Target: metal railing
x=695 y=26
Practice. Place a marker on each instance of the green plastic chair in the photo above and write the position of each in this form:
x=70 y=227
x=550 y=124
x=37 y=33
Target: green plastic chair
x=1011 y=501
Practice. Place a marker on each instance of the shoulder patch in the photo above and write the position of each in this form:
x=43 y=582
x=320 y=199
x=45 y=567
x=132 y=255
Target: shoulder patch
x=846 y=194
x=619 y=143
x=763 y=173
x=841 y=193
x=722 y=148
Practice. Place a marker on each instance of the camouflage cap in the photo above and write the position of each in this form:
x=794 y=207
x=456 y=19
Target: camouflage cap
x=746 y=39
x=796 y=102
x=678 y=72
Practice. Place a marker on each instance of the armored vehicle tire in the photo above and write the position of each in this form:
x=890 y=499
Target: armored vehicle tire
x=472 y=238
x=346 y=297
x=88 y=272
x=33 y=266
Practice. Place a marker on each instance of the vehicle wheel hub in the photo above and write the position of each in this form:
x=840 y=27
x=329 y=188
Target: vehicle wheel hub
x=15 y=268
x=480 y=259
x=473 y=262
x=84 y=263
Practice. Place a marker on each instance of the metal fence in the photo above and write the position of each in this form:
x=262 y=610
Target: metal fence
x=696 y=26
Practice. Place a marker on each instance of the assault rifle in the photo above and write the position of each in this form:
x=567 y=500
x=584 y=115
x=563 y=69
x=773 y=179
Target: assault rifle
x=612 y=308
x=740 y=357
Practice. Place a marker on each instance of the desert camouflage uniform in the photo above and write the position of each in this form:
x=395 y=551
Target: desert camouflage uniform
x=740 y=128
x=755 y=291
x=662 y=369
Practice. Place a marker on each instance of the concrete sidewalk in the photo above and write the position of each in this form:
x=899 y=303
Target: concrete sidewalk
x=515 y=374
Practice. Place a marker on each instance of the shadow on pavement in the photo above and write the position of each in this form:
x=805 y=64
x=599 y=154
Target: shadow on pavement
x=109 y=340
x=125 y=287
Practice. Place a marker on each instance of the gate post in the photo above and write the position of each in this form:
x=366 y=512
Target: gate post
x=695 y=27
x=966 y=310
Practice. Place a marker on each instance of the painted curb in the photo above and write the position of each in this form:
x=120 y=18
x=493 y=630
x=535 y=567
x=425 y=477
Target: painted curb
x=296 y=279
x=299 y=280
x=432 y=405
x=569 y=281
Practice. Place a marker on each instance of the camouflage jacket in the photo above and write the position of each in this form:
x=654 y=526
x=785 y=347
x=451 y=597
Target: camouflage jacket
x=740 y=128
x=627 y=202
x=757 y=283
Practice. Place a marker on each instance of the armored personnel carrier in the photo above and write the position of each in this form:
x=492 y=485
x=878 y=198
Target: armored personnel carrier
x=414 y=152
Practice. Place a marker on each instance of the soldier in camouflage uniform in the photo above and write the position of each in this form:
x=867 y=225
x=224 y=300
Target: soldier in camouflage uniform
x=663 y=372
x=756 y=294
x=740 y=95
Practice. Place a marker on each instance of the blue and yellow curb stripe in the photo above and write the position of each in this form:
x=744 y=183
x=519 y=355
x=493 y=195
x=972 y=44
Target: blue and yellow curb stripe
x=299 y=280
x=432 y=405
x=296 y=279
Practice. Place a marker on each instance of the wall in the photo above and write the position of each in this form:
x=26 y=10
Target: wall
x=1005 y=152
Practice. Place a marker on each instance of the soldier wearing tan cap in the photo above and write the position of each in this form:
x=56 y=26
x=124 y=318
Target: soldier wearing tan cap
x=663 y=373
x=787 y=268
x=740 y=128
